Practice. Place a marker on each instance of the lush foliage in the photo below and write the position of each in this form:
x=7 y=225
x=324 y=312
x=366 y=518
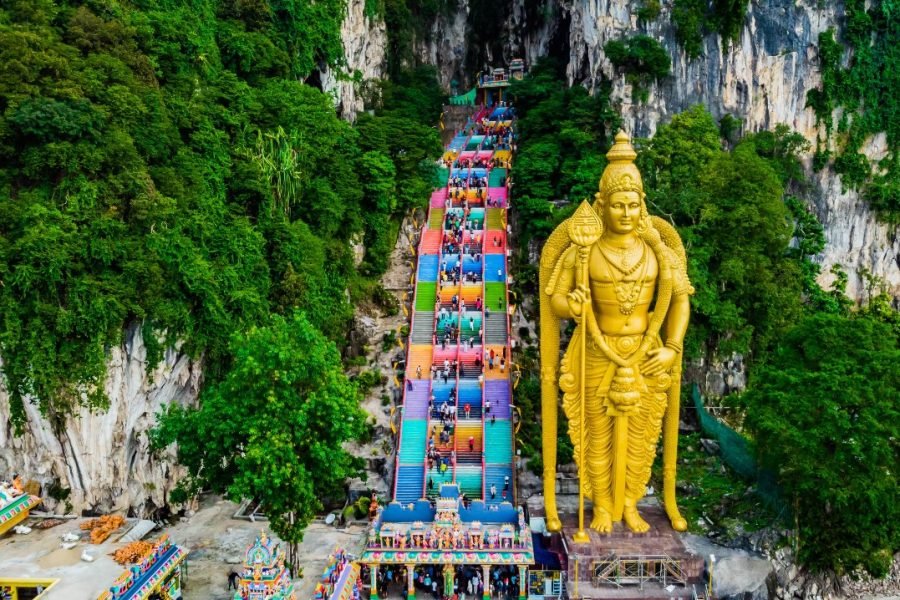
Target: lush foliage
x=825 y=413
x=163 y=163
x=561 y=131
x=823 y=380
x=866 y=93
x=730 y=209
x=272 y=429
x=694 y=19
x=642 y=59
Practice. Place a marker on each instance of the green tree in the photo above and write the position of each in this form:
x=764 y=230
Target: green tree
x=825 y=415
x=730 y=210
x=641 y=58
x=273 y=428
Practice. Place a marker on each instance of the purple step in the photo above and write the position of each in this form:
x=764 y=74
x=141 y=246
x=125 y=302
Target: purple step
x=496 y=391
x=416 y=406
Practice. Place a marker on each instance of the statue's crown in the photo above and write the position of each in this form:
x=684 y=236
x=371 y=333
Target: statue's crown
x=621 y=174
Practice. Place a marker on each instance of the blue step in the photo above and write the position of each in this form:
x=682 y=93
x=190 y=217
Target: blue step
x=428 y=268
x=496 y=474
x=450 y=262
x=409 y=483
x=495 y=267
x=470 y=265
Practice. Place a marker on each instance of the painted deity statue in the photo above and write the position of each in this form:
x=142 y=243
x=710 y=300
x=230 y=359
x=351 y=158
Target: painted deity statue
x=621 y=275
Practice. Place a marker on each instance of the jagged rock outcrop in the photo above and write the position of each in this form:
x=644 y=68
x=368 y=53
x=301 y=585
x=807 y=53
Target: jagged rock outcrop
x=103 y=457
x=365 y=43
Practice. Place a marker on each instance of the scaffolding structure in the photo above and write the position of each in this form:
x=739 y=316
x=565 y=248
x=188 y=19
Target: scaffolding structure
x=637 y=570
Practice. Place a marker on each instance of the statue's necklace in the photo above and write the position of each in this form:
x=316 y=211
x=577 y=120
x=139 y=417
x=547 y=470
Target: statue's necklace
x=623 y=257
x=627 y=292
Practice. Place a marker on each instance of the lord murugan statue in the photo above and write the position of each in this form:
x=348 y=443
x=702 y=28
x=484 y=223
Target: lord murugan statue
x=621 y=275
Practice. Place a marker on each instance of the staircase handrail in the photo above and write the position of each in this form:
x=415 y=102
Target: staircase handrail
x=483 y=346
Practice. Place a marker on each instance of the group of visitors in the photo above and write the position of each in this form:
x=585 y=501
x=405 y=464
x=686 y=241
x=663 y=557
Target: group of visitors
x=505 y=491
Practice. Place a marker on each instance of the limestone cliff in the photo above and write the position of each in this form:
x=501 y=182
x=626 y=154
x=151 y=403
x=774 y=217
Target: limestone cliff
x=103 y=457
x=761 y=79
x=365 y=42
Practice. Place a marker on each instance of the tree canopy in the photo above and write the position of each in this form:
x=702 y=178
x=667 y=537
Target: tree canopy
x=164 y=162
x=825 y=415
x=273 y=427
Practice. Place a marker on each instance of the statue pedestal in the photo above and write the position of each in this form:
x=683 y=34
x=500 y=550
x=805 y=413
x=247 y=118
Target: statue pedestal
x=629 y=565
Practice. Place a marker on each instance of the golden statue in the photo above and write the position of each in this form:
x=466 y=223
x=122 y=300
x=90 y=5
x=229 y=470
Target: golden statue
x=621 y=373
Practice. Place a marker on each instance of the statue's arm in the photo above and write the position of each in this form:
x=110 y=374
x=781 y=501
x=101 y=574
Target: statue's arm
x=559 y=301
x=677 y=321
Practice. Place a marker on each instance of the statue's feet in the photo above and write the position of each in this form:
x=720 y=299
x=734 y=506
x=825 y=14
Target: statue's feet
x=553 y=523
x=602 y=521
x=678 y=522
x=634 y=520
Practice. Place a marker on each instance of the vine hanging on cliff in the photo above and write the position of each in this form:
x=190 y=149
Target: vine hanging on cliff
x=860 y=100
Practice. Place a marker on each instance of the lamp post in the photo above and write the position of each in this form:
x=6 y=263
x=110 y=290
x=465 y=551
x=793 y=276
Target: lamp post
x=712 y=561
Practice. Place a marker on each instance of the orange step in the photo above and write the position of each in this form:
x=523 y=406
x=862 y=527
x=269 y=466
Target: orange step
x=431 y=242
x=419 y=356
x=470 y=293
x=447 y=293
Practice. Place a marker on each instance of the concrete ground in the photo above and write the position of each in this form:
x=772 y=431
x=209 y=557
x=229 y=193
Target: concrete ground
x=216 y=543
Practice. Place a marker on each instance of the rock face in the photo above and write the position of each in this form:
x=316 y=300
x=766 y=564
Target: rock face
x=737 y=574
x=104 y=458
x=365 y=43
x=762 y=79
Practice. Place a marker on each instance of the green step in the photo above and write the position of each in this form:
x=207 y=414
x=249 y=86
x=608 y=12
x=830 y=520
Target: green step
x=493 y=292
x=436 y=218
x=498 y=444
x=495 y=176
x=442 y=175
x=470 y=331
x=412 y=448
x=426 y=292
x=495 y=218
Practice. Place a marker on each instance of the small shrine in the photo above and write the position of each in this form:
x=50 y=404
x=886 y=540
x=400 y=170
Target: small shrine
x=264 y=576
x=15 y=504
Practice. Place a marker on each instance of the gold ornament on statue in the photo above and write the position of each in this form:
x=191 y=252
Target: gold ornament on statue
x=621 y=372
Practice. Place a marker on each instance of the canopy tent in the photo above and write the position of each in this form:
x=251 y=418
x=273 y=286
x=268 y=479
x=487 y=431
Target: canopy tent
x=467 y=99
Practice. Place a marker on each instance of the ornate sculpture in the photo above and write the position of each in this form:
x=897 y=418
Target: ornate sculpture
x=621 y=372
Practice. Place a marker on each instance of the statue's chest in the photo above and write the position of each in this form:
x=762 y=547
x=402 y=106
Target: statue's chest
x=608 y=267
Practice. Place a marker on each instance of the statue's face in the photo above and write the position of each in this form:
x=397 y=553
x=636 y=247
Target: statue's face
x=622 y=211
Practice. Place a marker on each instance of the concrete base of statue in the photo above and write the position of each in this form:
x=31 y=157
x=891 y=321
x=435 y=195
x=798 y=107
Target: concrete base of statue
x=627 y=565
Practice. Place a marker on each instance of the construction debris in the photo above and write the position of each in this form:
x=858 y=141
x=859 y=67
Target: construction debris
x=103 y=527
x=132 y=553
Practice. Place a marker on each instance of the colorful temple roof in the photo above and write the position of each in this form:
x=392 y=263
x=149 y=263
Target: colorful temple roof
x=146 y=577
x=340 y=579
x=446 y=537
x=14 y=505
x=264 y=576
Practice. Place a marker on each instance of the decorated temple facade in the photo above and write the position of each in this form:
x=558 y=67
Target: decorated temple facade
x=264 y=575
x=451 y=532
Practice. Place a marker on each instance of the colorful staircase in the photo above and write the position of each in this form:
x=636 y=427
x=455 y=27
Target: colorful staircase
x=457 y=324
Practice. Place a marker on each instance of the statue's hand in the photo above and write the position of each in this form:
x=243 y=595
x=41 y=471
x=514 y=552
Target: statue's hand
x=659 y=360
x=577 y=299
